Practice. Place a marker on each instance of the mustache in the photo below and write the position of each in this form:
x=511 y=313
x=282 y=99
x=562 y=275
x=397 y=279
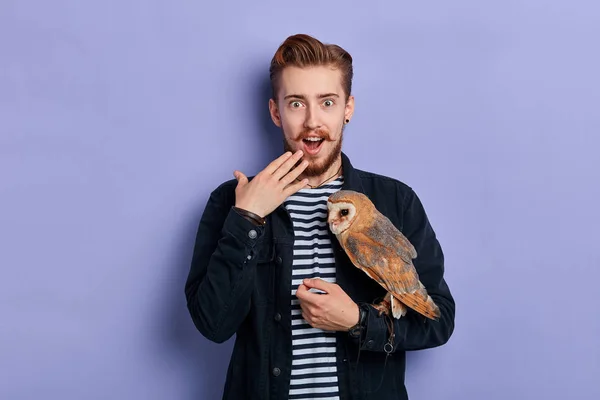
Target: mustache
x=323 y=133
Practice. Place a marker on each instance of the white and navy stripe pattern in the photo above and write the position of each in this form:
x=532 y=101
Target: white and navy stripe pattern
x=314 y=373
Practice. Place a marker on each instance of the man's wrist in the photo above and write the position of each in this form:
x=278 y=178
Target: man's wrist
x=356 y=330
x=250 y=216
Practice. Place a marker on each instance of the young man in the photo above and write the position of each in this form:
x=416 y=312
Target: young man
x=266 y=267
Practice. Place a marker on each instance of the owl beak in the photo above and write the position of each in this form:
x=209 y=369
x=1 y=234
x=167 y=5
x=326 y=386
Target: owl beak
x=332 y=221
x=330 y=218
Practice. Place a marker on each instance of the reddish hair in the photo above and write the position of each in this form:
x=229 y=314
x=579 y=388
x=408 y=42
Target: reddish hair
x=302 y=50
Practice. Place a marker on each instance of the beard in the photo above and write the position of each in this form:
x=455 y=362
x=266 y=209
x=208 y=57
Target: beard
x=315 y=168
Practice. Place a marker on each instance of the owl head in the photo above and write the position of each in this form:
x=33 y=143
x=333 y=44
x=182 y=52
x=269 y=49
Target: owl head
x=344 y=208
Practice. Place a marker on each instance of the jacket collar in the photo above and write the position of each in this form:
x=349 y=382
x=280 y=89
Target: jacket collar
x=352 y=179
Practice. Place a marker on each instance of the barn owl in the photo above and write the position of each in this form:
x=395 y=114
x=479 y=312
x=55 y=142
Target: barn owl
x=378 y=248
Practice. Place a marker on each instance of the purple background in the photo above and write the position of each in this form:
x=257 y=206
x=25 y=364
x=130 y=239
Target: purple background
x=118 y=118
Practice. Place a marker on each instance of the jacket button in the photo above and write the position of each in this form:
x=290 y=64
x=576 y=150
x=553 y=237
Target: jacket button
x=276 y=371
x=252 y=234
x=279 y=260
x=277 y=317
x=370 y=344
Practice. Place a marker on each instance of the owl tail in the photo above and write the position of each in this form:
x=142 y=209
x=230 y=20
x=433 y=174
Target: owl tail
x=421 y=302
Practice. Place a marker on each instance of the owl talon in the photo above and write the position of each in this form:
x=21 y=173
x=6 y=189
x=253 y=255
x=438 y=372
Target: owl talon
x=383 y=308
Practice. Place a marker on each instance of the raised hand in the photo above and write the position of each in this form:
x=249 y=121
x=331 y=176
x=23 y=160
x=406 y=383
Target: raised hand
x=271 y=186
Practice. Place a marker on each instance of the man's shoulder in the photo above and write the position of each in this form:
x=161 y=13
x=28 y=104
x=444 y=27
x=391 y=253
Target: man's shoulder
x=224 y=193
x=392 y=196
x=226 y=186
x=375 y=181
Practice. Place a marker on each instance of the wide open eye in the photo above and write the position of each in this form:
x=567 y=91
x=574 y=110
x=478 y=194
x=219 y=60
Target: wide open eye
x=344 y=212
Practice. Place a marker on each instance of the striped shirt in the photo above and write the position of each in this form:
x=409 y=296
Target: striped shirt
x=314 y=373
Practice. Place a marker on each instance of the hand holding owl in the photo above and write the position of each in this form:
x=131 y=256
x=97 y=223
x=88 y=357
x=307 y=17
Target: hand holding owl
x=381 y=251
x=271 y=186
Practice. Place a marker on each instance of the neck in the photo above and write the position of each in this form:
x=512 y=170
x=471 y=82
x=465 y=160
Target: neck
x=333 y=172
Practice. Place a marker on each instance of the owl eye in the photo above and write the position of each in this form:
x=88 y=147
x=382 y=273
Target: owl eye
x=344 y=212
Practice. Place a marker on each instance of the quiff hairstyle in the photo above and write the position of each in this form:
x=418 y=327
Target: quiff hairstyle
x=302 y=50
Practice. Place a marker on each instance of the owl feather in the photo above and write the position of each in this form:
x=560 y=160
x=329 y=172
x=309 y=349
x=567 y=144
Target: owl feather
x=375 y=246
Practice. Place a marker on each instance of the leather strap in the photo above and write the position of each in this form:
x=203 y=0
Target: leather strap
x=250 y=216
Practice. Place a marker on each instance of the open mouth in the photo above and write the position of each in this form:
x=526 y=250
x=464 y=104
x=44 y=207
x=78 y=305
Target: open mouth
x=312 y=145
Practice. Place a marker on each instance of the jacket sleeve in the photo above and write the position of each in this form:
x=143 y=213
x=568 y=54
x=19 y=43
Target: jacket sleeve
x=414 y=331
x=221 y=277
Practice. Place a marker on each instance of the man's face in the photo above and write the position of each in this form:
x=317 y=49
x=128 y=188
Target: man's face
x=311 y=110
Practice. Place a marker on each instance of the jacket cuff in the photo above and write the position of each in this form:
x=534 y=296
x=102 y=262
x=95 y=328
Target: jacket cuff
x=242 y=229
x=377 y=334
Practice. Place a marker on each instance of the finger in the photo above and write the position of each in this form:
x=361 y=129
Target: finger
x=241 y=178
x=301 y=291
x=272 y=167
x=308 y=313
x=287 y=165
x=305 y=296
x=293 y=174
x=293 y=188
x=318 y=283
x=307 y=317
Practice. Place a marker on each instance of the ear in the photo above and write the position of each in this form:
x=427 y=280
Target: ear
x=274 y=111
x=349 y=111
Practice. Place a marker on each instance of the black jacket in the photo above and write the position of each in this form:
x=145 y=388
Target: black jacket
x=240 y=283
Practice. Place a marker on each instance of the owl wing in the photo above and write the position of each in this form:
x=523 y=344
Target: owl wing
x=385 y=255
